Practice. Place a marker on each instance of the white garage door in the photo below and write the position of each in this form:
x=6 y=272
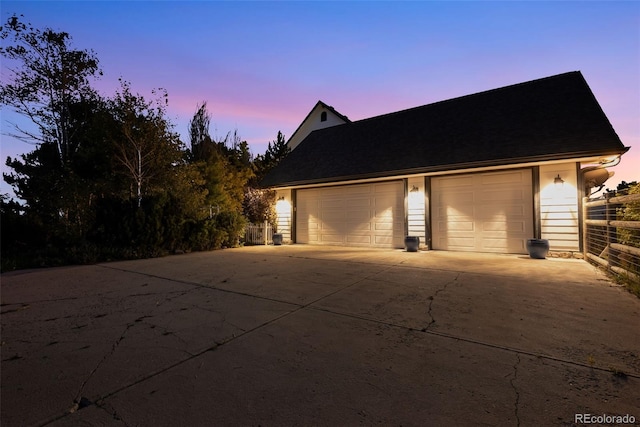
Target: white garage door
x=352 y=215
x=484 y=212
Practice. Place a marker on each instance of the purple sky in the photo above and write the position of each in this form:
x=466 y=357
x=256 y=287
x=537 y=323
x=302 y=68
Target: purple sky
x=261 y=66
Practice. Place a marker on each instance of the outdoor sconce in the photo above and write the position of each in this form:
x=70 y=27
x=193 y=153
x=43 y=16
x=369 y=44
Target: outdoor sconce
x=558 y=181
x=414 y=189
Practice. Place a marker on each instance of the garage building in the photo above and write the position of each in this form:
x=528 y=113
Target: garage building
x=483 y=172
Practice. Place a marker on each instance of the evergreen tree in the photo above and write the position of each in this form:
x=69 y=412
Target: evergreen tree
x=276 y=151
x=225 y=166
x=201 y=142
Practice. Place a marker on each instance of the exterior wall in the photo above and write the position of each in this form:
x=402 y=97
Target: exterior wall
x=557 y=215
x=559 y=207
x=313 y=123
x=416 y=209
x=284 y=214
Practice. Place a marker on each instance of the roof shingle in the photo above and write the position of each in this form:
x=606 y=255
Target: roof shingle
x=552 y=118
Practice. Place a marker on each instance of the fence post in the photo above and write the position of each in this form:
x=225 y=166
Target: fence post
x=266 y=235
x=585 y=227
x=608 y=232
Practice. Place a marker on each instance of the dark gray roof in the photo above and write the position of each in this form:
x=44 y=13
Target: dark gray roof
x=552 y=118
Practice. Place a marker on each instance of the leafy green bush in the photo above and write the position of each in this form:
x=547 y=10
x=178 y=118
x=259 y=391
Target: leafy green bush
x=630 y=212
x=230 y=227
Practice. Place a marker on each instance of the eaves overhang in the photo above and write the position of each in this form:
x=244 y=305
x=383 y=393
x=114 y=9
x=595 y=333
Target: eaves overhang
x=582 y=156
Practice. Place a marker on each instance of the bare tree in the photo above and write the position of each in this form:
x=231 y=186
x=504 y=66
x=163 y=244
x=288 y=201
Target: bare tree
x=45 y=78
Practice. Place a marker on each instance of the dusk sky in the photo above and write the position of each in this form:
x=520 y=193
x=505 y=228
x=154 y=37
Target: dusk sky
x=262 y=66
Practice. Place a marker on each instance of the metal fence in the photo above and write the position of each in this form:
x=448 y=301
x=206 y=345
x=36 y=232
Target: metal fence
x=612 y=234
x=258 y=234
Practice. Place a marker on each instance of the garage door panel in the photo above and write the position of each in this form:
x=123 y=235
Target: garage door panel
x=358 y=216
x=503 y=213
x=385 y=241
x=517 y=226
x=388 y=187
x=458 y=181
x=485 y=212
x=384 y=201
x=384 y=194
x=505 y=195
x=359 y=240
x=458 y=243
x=359 y=227
x=330 y=237
x=330 y=192
x=500 y=245
x=502 y=178
x=454 y=226
x=383 y=226
x=383 y=215
x=450 y=211
x=505 y=226
x=332 y=204
x=355 y=191
x=362 y=215
x=358 y=202
x=308 y=196
x=459 y=198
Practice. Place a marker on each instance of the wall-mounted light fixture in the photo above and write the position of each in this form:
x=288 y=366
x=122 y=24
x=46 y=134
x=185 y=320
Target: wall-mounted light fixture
x=558 y=181
x=281 y=199
x=414 y=189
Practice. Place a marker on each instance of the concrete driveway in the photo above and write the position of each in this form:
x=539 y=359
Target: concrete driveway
x=300 y=335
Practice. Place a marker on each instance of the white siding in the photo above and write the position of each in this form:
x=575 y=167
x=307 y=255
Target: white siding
x=416 y=209
x=352 y=215
x=284 y=214
x=314 y=122
x=559 y=207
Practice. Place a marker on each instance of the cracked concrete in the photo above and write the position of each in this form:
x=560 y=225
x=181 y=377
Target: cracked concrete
x=301 y=335
x=514 y=378
x=80 y=401
x=432 y=298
